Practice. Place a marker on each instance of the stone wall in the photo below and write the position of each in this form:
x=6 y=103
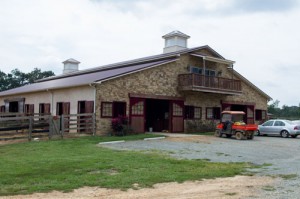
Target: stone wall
x=163 y=80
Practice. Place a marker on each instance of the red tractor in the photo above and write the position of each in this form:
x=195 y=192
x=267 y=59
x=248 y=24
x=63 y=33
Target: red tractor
x=232 y=125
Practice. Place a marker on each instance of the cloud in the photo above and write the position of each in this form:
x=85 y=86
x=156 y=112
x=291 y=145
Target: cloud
x=259 y=35
x=264 y=5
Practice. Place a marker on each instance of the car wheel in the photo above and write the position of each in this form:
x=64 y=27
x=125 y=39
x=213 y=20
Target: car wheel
x=284 y=134
x=239 y=136
x=258 y=133
x=218 y=133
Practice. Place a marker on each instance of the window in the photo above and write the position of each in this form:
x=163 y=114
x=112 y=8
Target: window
x=210 y=73
x=279 y=123
x=197 y=70
x=44 y=108
x=260 y=115
x=197 y=112
x=192 y=112
x=115 y=109
x=188 y=112
x=106 y=109
x=177 y=110
x=213 y=113
x=268 y=123
x=63 y=108
x=138 y=108
x=85 y=107
x=29 y=109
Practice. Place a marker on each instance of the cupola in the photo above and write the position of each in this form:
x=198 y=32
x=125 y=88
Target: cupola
x=70 y=65
x=175 y=41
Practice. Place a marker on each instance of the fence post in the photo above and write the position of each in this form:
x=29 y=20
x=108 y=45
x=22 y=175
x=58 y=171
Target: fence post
x=62 y=124
x=30 y=128
x=94 y=123
x=50 y=119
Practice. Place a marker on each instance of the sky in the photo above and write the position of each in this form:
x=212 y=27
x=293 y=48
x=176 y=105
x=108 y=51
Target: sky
x=262 y=36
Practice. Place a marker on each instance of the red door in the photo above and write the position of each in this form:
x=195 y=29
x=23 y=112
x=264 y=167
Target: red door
x=177 y=116
x=250 y=114
x=137 y=114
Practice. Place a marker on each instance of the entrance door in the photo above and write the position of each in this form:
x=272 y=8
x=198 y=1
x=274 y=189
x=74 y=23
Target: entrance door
x=137 y=114
x=177 y=116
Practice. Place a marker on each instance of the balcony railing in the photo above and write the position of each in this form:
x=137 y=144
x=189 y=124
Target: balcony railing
x=203 y=83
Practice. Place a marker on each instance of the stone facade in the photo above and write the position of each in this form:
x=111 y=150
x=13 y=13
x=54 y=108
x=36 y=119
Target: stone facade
x=163 y=81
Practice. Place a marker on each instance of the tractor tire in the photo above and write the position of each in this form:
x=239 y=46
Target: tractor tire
x=218 y=133
x=239 y=136
x=250 y=137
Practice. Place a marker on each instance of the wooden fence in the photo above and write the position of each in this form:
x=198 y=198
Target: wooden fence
x=20 y=126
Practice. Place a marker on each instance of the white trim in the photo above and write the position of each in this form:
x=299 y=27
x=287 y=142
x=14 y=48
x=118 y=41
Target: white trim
x=214 y=59
x=135 y=71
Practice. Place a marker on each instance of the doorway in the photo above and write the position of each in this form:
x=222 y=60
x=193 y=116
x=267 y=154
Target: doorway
x=157 y=115
x=165 y=113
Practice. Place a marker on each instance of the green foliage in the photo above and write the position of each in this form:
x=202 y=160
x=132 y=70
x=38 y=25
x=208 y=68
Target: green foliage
x=65 y=165
x=17 y=78
x=287 y=112
x=200 y=126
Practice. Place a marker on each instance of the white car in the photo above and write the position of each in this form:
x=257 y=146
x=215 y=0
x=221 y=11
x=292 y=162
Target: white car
x=284 y=128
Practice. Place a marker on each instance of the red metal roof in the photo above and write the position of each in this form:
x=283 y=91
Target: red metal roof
x=84 y=78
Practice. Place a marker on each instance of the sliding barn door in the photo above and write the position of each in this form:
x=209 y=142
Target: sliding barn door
x=137 y=114
x=250 y=114
x=176 y=108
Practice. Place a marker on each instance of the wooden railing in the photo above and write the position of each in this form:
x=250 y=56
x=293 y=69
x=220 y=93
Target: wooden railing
x=194 y=81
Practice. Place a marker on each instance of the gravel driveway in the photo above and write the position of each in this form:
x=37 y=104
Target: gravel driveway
x=281 y=153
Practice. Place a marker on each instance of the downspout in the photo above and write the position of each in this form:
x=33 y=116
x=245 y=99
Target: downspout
x=94 y=86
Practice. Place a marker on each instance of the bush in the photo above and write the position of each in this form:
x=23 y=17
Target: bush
x=200 y=126
x=120 y=126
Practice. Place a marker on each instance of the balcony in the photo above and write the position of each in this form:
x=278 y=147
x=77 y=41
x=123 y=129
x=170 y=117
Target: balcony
x=196 y=82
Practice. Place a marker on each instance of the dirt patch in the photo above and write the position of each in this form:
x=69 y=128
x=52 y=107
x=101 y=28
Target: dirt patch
x=234 y=187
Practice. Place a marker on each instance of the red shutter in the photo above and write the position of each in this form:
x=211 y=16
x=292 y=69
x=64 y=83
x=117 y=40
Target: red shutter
x=89 y=107
x=66 y=108
x=46 y=109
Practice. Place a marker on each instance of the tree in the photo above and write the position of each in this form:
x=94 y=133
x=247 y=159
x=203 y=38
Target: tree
x=17 y=78
x=286 y=112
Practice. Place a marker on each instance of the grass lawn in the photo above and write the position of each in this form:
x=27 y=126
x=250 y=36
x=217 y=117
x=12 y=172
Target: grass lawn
x=72 y=163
